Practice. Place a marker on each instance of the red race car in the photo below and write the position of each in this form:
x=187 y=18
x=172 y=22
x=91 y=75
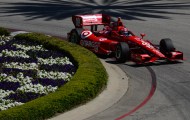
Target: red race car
x=114 y=39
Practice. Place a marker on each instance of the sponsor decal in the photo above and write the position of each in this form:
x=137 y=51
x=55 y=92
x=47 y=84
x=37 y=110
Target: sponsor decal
x=148 y=45
x=155 y=51
x=102 y=39
x=91 y=18
x=91 y=44
x=85 y=34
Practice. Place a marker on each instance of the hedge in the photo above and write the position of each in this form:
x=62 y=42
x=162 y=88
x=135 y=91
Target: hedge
x=4 y=32
x=88 y=81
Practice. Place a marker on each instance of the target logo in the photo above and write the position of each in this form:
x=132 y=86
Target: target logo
x=85 y=34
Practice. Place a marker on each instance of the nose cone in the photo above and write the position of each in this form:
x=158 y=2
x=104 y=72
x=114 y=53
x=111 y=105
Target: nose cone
x=159 y=54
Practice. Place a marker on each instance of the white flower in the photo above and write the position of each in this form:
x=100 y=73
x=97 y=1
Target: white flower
x=4 y=39
x=4 y=93
x=14 y=53
x=37 y=88
x=27 y=48
x=52 y=61
x=5 y=104
x=24 y=66
x=19 y=78
x=54 y=75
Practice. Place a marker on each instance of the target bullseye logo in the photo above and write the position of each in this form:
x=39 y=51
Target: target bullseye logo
x=85 y=34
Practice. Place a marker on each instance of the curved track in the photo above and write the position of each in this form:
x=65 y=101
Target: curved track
x=157 y=18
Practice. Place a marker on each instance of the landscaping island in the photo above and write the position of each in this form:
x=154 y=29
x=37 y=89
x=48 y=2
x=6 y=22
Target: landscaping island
x=87 y=78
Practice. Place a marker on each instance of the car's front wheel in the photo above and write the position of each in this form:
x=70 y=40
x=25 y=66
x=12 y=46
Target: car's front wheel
x=122 y=53
x=166 y=46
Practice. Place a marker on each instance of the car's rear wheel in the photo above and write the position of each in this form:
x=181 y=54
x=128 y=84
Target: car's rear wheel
x=122 y=53
x=166 y=46
x=74 y=37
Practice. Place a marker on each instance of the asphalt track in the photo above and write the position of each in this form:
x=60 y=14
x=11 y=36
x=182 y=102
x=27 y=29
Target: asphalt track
x=157 y=91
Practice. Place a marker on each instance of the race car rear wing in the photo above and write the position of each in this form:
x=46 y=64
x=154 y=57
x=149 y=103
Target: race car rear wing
x=87 y=20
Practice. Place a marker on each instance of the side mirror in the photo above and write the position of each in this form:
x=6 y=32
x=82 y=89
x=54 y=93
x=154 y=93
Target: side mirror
x=142 y=35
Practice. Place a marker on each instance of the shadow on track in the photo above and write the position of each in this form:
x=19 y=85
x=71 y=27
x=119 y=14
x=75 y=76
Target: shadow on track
x=62 y=9
x=158 y=63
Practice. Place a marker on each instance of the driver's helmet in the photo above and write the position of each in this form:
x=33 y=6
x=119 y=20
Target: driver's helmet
x=124 y=31
x=119 y=22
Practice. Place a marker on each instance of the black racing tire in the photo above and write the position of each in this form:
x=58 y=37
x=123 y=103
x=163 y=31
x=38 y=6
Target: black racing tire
x=74 y=37
x=122 y=53
x=166 y=46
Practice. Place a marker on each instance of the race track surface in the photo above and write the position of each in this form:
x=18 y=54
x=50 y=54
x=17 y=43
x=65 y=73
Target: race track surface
x=159 y=91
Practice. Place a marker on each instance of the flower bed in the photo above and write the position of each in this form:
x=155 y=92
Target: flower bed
x=87 y=82
x=28 y=71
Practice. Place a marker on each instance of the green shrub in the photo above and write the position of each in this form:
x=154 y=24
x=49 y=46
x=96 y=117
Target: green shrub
x=4 y=31
x=87 y=82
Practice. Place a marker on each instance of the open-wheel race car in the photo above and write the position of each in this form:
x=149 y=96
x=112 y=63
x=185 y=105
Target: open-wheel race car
x=97 y=33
